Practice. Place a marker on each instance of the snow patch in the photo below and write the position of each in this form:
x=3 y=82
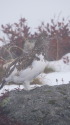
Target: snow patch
x=56 y=78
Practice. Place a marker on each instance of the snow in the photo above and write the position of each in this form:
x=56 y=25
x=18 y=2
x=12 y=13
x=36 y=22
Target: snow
x=61 y=65
x=56 y=78
x=7 y=88
x=60 y=76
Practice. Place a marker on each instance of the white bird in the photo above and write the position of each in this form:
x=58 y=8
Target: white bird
x=19 y=75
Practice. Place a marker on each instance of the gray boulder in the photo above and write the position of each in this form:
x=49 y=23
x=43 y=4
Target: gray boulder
x=42 y=106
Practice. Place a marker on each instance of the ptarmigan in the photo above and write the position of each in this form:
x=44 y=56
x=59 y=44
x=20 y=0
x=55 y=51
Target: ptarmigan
x=24 y=69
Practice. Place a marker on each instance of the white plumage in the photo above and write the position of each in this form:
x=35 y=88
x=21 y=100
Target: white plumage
x=25 y=76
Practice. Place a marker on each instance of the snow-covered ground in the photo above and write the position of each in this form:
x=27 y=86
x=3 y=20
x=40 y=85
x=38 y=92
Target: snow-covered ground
x=60 y=76
x=56 y=78
x=8 y=88
x=62 y=65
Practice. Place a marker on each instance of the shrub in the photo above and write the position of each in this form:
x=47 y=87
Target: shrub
x=48 y=70
x=36 y=81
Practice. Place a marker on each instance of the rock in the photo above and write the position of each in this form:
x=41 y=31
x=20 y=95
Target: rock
x=42 y=106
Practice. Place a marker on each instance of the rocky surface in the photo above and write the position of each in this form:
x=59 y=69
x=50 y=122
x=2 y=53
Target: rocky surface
x=42 y=106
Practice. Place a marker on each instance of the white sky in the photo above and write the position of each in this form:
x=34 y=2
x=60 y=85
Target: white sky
x=35 y=11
